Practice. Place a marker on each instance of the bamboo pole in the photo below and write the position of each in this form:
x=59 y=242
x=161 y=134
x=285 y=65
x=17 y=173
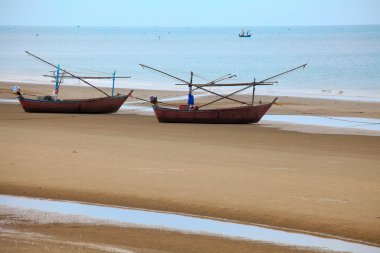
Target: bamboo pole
x=67 y=73
x=283 y=73
x=190 y=84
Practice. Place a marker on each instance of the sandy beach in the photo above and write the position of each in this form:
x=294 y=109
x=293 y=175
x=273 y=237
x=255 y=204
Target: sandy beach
x=319 y=183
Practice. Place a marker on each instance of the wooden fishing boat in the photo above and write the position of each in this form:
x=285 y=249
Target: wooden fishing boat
x=237 y=115
x=93 y=105
x=51 y=104
x=190 y=113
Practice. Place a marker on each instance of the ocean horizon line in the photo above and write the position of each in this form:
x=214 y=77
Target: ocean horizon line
x=193 y=26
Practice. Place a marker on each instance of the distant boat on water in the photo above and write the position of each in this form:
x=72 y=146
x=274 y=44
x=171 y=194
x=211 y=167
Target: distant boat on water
x=245 y=34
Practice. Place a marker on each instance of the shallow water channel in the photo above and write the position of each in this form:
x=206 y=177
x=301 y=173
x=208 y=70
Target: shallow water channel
x=176 y=222
x=337 y=122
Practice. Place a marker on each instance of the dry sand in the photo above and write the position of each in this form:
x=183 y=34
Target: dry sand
x=250 y=173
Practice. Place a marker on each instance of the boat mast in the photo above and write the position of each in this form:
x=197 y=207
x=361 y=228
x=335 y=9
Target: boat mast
x=57 y=81
x=190 y=90
x=67 y=73
x=60 y=81
x=191 y=82
x=253 y=91
x=113 y=81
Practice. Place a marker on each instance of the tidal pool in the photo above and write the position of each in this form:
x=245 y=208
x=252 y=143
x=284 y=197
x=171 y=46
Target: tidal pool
x=338 y=122
x=176 y=222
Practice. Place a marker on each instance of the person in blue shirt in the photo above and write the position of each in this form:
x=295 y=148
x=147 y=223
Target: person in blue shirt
x=190 y=101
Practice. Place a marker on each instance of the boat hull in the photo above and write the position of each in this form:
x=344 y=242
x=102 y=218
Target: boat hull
x=238 y=115
x=93 y=105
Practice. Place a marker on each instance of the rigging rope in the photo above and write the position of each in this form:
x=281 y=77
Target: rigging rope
x=94 y=71
x=326 y=117
x=90 y=70
x=200 y=77
x=145 y=100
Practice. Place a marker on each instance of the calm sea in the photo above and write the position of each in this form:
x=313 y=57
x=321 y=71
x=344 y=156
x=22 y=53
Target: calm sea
x=343 y=61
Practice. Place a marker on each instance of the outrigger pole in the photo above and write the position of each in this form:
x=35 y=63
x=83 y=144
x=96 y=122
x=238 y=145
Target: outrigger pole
x=190 y=84
x=212 y=83
x=89 y=77
x=221 y=96
x=67 y=73
x=253 y=84
x=283 y=73
x=192 y=74
x=162 y=72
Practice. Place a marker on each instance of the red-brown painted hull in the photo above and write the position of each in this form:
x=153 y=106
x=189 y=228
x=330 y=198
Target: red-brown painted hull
x=238 y=115
x=93 y=105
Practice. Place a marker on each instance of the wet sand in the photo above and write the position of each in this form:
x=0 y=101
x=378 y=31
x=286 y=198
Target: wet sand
x=250 y=173
x=21 y=236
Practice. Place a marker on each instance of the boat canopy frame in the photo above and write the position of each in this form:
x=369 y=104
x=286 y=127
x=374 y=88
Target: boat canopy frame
x=58 y=77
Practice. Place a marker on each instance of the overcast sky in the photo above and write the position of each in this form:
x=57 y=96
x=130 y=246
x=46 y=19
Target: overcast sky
x=189 y=13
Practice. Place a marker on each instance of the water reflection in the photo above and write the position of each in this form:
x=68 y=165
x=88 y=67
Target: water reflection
x=181 y=223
